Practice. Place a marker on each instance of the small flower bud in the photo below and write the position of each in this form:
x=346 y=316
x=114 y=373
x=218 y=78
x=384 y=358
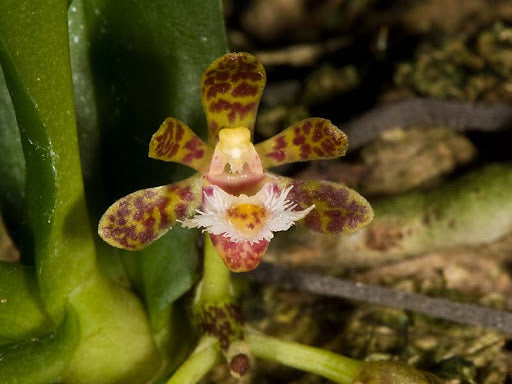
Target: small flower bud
x=239 y=358
x=239 y=365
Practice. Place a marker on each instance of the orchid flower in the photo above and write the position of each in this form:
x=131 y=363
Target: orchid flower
x=231 y=196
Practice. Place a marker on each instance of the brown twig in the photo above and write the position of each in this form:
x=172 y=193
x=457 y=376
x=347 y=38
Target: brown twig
x=289 y=278
x=459 y=115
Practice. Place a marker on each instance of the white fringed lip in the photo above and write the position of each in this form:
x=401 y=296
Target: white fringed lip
x=215 y=217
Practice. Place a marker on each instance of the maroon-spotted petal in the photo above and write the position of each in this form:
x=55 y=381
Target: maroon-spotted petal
x=140 y=218
x=338 y=209
x=239 y=256
x=309 y=139
x=231 y=89
x=175 y=141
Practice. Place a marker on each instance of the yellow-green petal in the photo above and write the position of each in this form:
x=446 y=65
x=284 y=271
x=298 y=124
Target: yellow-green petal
x=175 y=141
x=309 y=139
x=231 y=89
x=338 y=209
x=140 y=218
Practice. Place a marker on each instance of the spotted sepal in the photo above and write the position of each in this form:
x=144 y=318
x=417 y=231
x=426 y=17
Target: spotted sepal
x=231 y=89
x=140 y=218
x=175 y=141
x=309 y=139
x=240 y=256
x=338 y=209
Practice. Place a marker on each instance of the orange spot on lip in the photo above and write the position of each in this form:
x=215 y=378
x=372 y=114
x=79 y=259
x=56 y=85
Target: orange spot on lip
x=247 y=218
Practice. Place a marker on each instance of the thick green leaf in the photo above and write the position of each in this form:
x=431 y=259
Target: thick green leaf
x=22 y=312
x=41 y=360
x=12 y=174
x=174 y=334
x=116 y=342
x=167 y=270
x=109 y=259
x=134 y=64
x=127 y=80
x=141 y=61
x=146 y=59
x=35 y=59
x=117 y=345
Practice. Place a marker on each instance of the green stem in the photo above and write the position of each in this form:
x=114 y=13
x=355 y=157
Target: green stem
x=205 y=356
x=216 y=283
x=332 y=366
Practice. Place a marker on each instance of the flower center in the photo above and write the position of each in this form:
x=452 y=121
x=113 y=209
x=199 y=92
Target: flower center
x=235 y=146
x=247 y=218
x=235 y=165
x=235 y=150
